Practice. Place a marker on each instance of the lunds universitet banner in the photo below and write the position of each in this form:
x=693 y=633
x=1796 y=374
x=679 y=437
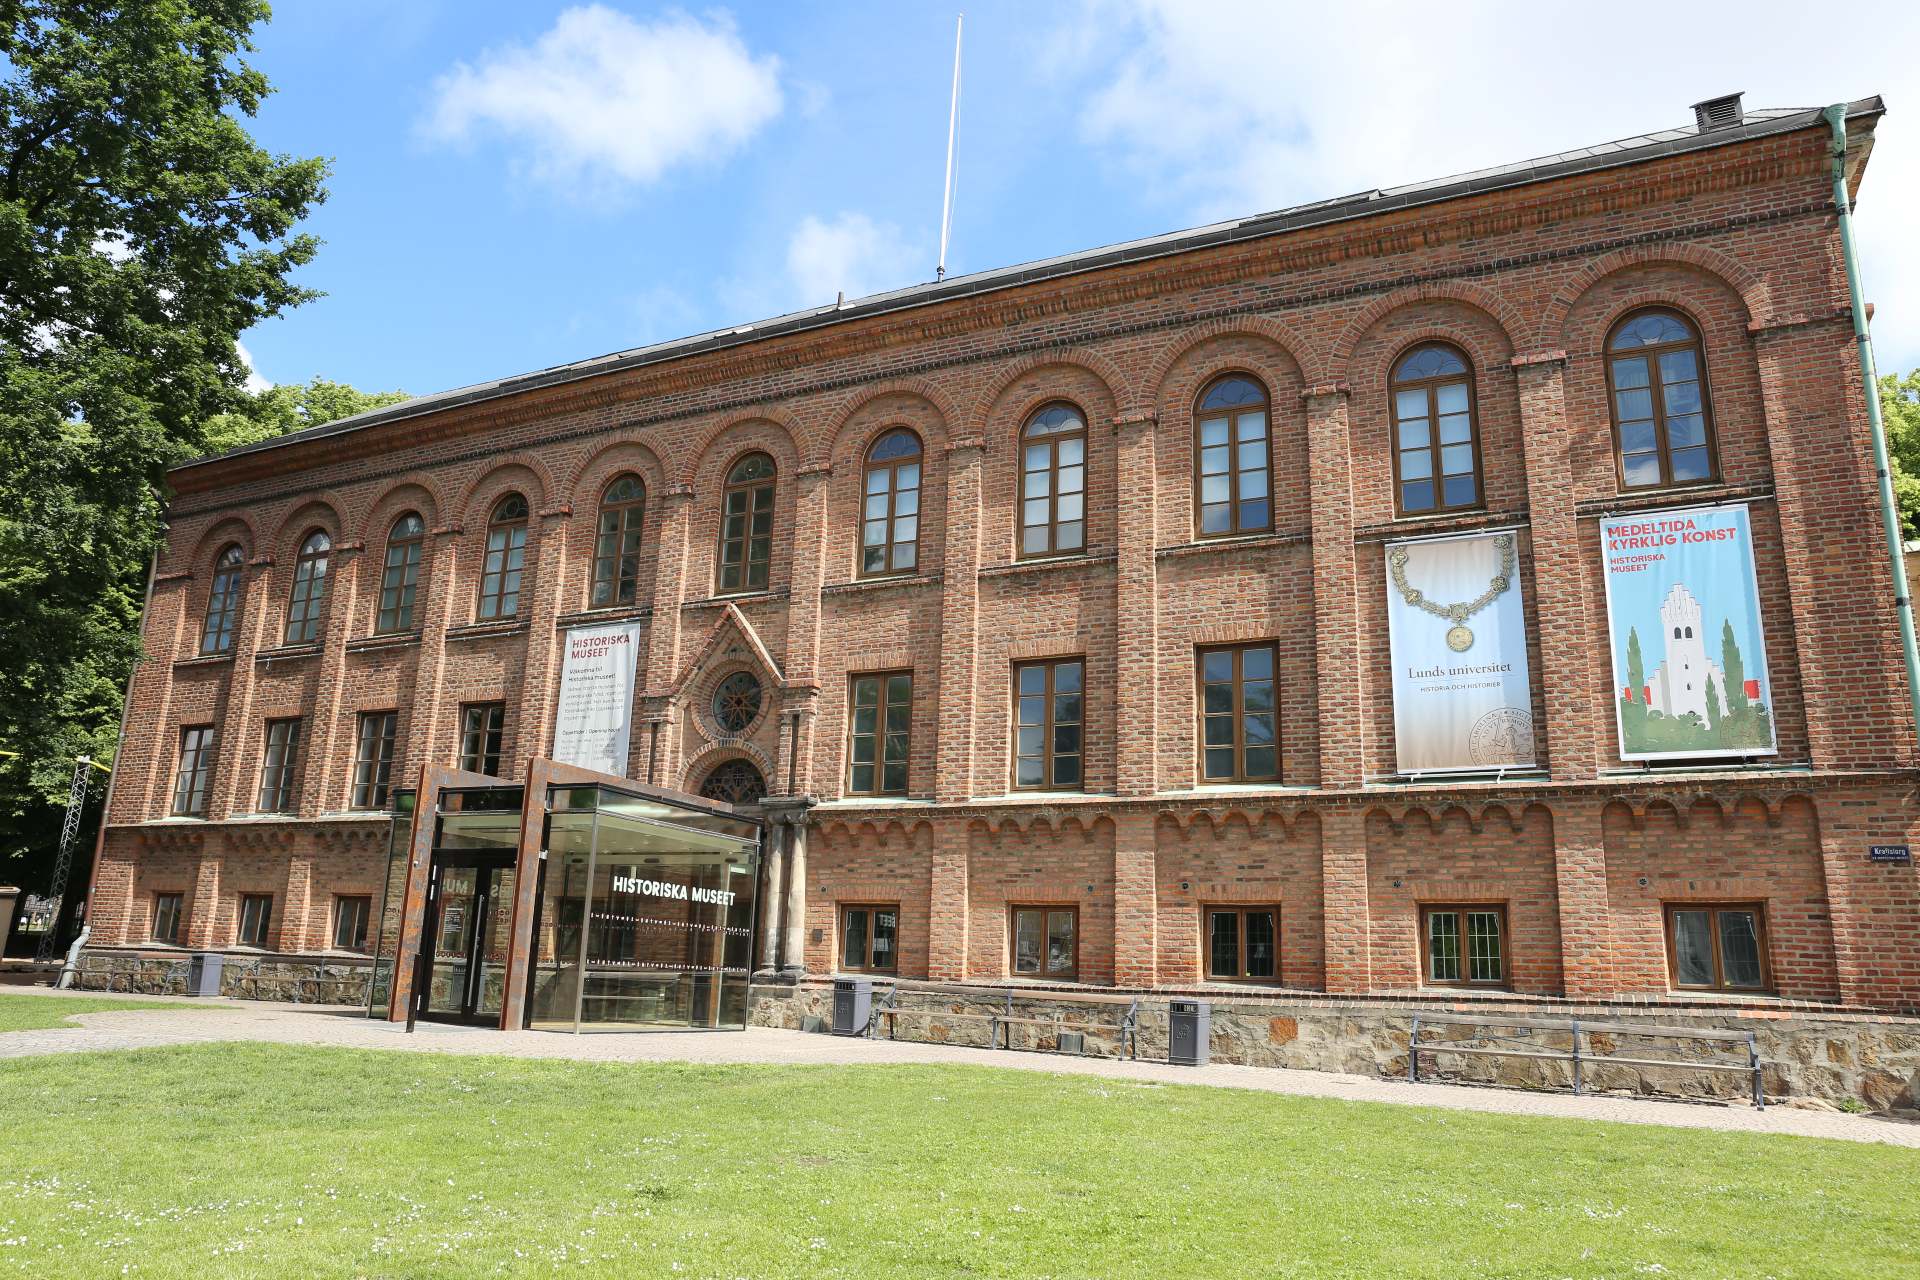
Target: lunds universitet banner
x=1462 y=699
x=594 y=721
x=1683 y=614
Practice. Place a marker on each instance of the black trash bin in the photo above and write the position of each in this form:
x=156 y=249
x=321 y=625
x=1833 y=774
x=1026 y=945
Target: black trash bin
x=203 y=974
x=852 y=1005
x=1189 y=1031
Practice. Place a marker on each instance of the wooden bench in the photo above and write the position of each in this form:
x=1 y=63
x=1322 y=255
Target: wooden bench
x=1000 y=1022
x=1577 y=1056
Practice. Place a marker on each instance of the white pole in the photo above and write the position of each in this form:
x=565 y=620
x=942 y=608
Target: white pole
x=953 y=116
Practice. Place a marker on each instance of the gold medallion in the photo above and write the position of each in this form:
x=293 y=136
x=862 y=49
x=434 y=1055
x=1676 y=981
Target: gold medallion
x=1459 y=639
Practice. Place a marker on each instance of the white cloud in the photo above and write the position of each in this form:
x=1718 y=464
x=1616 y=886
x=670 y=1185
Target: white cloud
x=850 y=253
x=606 y=98
x=254 y=384
x=1231 y=108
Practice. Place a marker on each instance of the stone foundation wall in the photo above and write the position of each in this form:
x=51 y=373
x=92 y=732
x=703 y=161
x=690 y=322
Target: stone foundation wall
x=281 y=978
x=1849 y=1061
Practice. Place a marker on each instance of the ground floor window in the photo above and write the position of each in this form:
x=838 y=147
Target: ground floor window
x=1717 y=947
x=869 y=937
x=256 y=913
x=166 y=917
x=1464 y=946
x=1046 y=942
x=483 y=726
x=1242 y=942
x=350 y=923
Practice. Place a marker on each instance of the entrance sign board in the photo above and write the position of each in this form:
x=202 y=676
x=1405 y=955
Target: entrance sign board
x=1462 y=694
x=593 y=722
x=1683 y=613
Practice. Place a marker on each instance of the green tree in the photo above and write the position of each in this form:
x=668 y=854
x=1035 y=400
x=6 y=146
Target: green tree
x=1733 y=667
x=291 y=407
x=1900 y=409
x=1636 y=666
x=141 y=231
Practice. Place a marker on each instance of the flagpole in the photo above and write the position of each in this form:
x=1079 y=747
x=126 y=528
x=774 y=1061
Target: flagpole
x=953 y=117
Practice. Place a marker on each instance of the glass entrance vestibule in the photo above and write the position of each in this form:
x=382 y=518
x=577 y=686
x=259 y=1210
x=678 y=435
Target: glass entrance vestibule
x=608 y=905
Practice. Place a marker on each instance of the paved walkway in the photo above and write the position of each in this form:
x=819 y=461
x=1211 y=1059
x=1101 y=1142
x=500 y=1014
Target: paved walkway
x=170 y=1022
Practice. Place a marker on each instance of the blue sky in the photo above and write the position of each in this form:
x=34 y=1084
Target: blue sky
x=522 y=184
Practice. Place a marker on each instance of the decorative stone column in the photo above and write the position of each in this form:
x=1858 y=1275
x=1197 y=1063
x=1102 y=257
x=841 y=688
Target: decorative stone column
x=1336 y=595
x=772 y=901
x=789 y=813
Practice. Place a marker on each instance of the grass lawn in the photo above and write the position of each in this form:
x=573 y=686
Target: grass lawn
x=35 y=1013
x=256 y=1160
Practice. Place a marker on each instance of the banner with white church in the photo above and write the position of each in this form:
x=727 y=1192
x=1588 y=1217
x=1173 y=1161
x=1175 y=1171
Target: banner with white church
x=1462 y=696
x=593 y=723
x=1683 y=614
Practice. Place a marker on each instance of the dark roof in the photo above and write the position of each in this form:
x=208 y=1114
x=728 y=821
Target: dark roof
x=1758 y=123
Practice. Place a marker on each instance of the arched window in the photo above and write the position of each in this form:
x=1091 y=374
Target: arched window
x=506 y=557
x=1436 y=453
x=309 y=597
x=890 y=514
x=737 y=702
x=616 y=543
x=223 y=602
x=1053 y=482
x=746 y=525
x=735 y=782
x=1232 y=486
x=1662 y=421
x=401 y=574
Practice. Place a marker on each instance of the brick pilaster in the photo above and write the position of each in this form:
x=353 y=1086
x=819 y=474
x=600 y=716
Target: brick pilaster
x=203 y=908
x=959 y=625
x=542 y=670
x=1343 y=870
x=947 y=915
x=1135 y=899
x=802 y=661
x=234 y=744
x=1136 y=614
x=1586 y=918
x=145 y=775
x=669 y=593
x=1336 y=595
x=332 y=703
x=435 y=615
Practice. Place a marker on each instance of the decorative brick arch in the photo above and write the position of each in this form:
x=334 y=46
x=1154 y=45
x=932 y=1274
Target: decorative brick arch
x=1755 y=294
x=1497 y=309
x=226 y=530
x=407 y=495
x=537 y=500
x=1148 y=394
x=1101 y=369
x=788 y=426
x=636 y=457
x=302 y=514
x=694 y=770
x=836 y=420
x=1483 y=361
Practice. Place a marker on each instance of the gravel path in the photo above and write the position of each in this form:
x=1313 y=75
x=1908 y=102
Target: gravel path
x=217 y=1021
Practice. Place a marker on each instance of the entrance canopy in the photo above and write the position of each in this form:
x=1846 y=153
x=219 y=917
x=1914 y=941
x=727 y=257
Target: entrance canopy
x=570 y=900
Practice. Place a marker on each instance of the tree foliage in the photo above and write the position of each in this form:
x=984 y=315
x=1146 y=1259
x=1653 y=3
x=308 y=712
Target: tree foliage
x=1900 y=409
x=278 y=410
x=141 y=230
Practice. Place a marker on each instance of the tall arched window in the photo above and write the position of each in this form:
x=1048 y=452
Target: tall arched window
x=506 y=557
x=616 y=542
x=746 y=525
x=1053 y=482
x=309 y=597
x=400 y=575
x=1662 y=421
x=1436 y=443
x=1232 y=481
x=223 y=602
x=890 y=514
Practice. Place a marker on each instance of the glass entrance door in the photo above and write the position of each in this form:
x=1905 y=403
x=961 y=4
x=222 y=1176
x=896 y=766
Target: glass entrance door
x=469 y=913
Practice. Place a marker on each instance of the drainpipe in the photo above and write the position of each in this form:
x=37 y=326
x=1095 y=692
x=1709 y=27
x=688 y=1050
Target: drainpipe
x=1836 y=117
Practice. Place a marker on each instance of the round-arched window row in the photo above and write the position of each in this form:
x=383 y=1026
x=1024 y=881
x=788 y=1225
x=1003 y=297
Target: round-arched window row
x=616 y=542
x=1436 y=438
x=1053 y=482
x=306 y=604
x=1233 y=467
x=223 y=602
x=400 y=574
x=746 y=526
x=1657 y=395
x=890 y=505
x=504 y=559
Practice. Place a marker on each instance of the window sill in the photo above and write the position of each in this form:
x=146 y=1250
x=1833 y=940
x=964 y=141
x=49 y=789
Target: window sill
x=484 y=630
x=1042 y=563
x=1709 y=494
x=880 y=583
x=614 y=613
x=1439 y=522
x=1238 y=542
x=287 y=652
x=738 y=597
x=203 y=660
x=395 y=640
x=874 y=802
x=1225 y=789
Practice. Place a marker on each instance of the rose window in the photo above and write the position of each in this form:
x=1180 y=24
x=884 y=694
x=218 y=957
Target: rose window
x=736 y=703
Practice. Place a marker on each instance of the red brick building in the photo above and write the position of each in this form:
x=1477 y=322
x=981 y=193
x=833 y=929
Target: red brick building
x=1135 y=503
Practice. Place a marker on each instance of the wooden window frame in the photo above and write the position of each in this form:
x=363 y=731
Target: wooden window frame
x=1430 y=387
x=307 y=601
x=400 y=577
x=223 y=601
x=883 y=701
x=1242 y=910
x=715 y=772
x=1713 y=910
x=373 y=774
x=179 y=897
x=619 y=529
x=240 y=938
x=1466 y=981
x=364 y=915
x=279 y=791
x=1240 y=774
x=504 y=561
x=1656 y=390
x=869 y=965
x=193 y=782
x=494 y=728
x=1046 y=910
x=1050 y=756
x=1052 y=440
x=751 y=550
x=1234 y=528
x=890 y=567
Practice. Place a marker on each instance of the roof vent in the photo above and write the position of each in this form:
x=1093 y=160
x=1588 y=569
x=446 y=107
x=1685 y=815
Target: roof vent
x=1722 y=112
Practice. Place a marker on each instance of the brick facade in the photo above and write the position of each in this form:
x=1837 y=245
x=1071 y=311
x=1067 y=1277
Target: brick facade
x=1526 y=281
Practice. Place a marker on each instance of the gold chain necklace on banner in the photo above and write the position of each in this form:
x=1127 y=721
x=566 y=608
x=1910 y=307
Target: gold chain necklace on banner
x=1459 y=635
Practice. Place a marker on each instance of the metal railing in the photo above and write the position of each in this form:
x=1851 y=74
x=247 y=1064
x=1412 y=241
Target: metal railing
x=1000 y=1022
